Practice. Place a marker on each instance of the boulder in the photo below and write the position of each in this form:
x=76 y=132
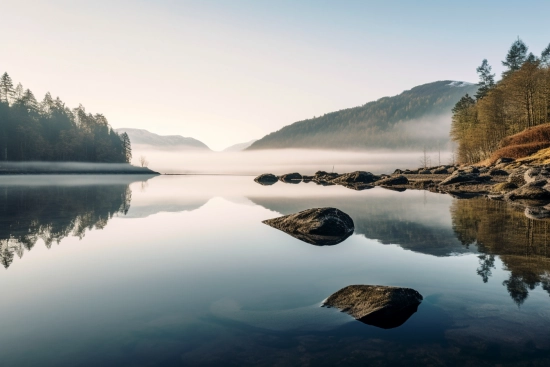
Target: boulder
x=530 y=191
x=535 y=174
x=497 y=172
x=318 y=226
x=322 y=176
x=266 y=179
x=536 y=212
x=356 y=177
x=307 y=179
x=358 y=186
x=517 y=176
x=423 y=184
x=291 y=178
x=503 y=187
x=424 y=172
x=462 y=177
x=469 y=169
x=440 y=171
x=395 y=180
x=380 y=306
x=504 y=160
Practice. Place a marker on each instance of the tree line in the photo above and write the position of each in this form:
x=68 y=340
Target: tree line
x=518 y=101
x=50 y=131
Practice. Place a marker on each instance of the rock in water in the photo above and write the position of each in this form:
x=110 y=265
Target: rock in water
x=291 y=178
x=395 y=180
x=380 y=306
x=266 y=179
x=318 y=226
x=356 y=177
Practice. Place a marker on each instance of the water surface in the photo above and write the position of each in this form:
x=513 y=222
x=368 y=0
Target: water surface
x=179 y=270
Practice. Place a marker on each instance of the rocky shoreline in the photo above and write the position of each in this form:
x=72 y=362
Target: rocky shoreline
x=525 y=186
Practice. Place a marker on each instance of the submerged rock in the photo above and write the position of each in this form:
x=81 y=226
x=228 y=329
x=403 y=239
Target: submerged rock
x=266 y=179
x=291 y=178
x=537 y=212
x=318 y=226
x=380 y=306
x=395 y=180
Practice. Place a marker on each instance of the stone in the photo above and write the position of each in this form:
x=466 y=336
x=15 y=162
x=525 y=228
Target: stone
x=498 y=172
x=317 y=226
x=394 y=180
x=356 y=177
x=266 y=179
x=504 y=160
x=463 y=177
x=536 y=212
x=380 y=306
x=517 y=176
x=530 y=191
x=291 y=178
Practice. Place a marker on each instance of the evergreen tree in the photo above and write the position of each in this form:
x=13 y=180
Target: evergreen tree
x=516 y=56
x=545 y=55
x=6 y=88
x=486 y=79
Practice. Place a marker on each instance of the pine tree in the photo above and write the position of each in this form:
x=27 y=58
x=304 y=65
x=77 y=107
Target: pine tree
x=516 y=56
x=6 y=88
x=486 y=79
x=545 y=55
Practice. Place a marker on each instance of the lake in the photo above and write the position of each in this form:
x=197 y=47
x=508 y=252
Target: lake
x=180 y=270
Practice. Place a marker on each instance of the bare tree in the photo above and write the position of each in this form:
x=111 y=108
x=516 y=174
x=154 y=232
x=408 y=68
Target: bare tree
x=143 y=161
x=425 y=161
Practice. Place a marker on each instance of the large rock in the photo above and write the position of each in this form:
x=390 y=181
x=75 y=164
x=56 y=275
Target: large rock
x=318 y=226
x=395 y=180
x=384 y=307
x=537 y=212
x=497 y=172
x=356 y=177
x=504 y=160
x=530 y=191
x=517 y=176
x=266 y=179
x=536 y=174
x=322 y=176
x=440 y=171
x=469 y=169
x=462 y=177
x=291 y=178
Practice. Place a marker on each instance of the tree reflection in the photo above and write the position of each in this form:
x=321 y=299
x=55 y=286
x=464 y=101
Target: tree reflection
x=53 y=212
x=500 y=229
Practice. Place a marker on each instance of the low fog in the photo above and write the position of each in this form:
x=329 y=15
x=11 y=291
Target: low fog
x=282 y=161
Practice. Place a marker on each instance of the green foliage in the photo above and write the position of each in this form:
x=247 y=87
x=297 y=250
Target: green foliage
x=381 y=124
x=516 y=55
x=49 y=131
x=486 y=79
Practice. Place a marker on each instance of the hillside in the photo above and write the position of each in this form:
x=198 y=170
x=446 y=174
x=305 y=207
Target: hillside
x=144 y=137
x=413 y=119
x=239 y=147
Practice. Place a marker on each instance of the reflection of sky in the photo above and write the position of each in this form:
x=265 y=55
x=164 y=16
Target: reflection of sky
x=144 y=285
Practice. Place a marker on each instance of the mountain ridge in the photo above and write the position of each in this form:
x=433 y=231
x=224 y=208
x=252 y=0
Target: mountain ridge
x=145 y=137
x=384 y=123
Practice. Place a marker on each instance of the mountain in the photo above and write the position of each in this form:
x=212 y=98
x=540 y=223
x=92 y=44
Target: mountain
x=416 y=118
x=239 y=147
x=144 y=137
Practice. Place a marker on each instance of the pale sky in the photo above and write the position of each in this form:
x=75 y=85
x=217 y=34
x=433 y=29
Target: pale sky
x=226 y=72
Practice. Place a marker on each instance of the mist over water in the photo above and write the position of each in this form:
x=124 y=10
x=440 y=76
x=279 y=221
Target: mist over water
x=282 y=161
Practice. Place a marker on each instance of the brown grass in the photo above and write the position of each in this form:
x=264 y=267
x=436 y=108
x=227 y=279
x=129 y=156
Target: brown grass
x=537 y=134
x=519 y=151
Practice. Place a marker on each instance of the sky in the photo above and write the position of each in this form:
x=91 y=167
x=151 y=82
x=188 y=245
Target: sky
x=226 y=72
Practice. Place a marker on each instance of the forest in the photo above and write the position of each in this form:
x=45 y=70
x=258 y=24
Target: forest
x=50 y=131
x=520 y=100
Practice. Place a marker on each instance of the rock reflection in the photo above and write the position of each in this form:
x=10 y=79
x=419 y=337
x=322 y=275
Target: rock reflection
x=54 y=210
x=521 y=242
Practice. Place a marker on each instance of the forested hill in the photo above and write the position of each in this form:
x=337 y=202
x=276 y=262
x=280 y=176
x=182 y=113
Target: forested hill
x=144 y=137
x=50 y=131
x=416 y=118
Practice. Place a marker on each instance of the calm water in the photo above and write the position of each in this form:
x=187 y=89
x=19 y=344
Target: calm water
x=179 y=270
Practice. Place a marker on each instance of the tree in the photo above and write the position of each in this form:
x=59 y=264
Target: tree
x=425 y=160
x=143 y=161
x=486 y=79
x=516 y=56
x=545 y=55
x=6 y=88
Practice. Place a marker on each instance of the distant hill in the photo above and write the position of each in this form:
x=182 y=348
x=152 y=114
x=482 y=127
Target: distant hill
x=413 y=119
x=239 y=147
x=144 y=137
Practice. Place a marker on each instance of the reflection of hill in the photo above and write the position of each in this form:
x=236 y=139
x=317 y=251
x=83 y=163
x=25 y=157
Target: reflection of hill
x=394 y=219
x=51 y=209
x=521 y=243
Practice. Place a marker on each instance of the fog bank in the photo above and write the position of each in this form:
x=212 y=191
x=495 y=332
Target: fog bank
x=282 y=161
